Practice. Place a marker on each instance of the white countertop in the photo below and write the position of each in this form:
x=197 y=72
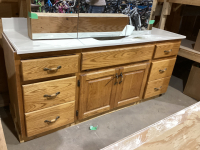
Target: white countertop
x=16 y=31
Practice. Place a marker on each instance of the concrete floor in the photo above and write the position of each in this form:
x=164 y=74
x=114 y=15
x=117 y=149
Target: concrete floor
x=111 y=127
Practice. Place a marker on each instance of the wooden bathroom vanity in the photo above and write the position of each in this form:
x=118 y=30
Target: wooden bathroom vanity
x=53 y=89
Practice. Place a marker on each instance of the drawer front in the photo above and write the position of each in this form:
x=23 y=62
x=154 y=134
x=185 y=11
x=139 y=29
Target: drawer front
x=49 y=118
x=46 y=94
x=98 y=59
x=167 y=49
x=49 y=67
x=161 y=69
x=157 y=87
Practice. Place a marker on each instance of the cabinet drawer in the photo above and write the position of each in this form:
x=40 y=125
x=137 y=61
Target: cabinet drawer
x=49 y=118
x=157 y=87
x=46 y=94
x=49 y=67
x=167 y=49
x=116 y=56
x=161 y=69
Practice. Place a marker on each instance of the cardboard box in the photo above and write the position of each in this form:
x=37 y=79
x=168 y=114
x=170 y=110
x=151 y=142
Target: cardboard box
x=192 y=87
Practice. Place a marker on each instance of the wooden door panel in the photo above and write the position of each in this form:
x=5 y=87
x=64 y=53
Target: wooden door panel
x=99 y=93
x=132 y=84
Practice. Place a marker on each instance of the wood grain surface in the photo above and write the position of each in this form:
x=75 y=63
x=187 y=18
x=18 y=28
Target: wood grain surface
x=54 y=23
x=116 y=56
x=102 y=22
x=160 y=84
x=96 y=92
x=34 y=69
x=34 y=93
x=70 y=23
x=2 y=138
x=161 y=69
x=179 y=131
x=186 y=2
x=35 y=120
x=129 y=89
x=189 y=53
x=173 y=47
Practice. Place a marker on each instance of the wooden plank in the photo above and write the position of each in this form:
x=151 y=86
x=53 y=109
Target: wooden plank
x=35 y=121
x=186 y=2
x=197 y=44
x=54 y=23
x=179 y=131
x=101 y=22
x=68 y=23
x=34 y=93
x=165 y=11
x=189 y=53
x=23 y=8
x=2 y=138
x=153 y=11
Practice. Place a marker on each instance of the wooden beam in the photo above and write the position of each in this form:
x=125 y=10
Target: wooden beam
x=165 y=11
x=186 y=2
x=189 y=53
x=153 y=11
x=22 y=8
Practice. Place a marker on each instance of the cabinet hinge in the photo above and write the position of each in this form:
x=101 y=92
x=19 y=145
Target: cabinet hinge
x=77 y=113
x=79 y=83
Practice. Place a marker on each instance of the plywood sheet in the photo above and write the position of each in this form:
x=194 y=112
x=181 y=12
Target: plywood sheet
x=179 y=131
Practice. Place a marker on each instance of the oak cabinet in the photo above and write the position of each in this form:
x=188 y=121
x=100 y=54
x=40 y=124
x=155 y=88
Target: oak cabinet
x=104 y=90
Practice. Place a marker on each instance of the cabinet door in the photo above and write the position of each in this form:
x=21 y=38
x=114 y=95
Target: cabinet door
x=131 y=84
x=97 y=92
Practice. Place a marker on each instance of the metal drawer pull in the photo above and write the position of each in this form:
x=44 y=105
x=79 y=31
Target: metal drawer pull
x=161 y=71
x=53 y=120
x=53 y=95
x=52 y=69
x=156 y=89
x=117 y=78
x=168 y=51
x=121 y=78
